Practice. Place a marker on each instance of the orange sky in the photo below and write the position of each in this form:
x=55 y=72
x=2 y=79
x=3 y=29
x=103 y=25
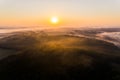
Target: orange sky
x=69 y=12
x=82 y=21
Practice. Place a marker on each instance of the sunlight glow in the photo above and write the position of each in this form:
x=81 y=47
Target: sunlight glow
x=54 y=20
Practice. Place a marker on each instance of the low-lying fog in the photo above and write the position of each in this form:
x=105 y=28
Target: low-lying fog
x=111 y=35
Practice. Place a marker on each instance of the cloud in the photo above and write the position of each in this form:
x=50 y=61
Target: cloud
x=113 y=37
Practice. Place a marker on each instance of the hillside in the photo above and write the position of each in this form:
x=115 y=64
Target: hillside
x=41 y=56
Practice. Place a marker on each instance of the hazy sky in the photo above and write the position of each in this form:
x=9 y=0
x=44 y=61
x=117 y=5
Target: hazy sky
x=70 y=12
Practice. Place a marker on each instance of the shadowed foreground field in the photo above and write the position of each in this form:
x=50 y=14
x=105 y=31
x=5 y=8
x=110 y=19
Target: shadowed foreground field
x=39 y=56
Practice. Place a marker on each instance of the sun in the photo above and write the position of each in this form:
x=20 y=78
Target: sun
x=54 y=20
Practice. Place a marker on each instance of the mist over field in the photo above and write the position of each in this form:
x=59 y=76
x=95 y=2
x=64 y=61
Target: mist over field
x=111 y=35
x=59 y=53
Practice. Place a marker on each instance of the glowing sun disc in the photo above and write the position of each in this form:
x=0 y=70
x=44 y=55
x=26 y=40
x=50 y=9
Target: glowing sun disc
x=54 y=20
